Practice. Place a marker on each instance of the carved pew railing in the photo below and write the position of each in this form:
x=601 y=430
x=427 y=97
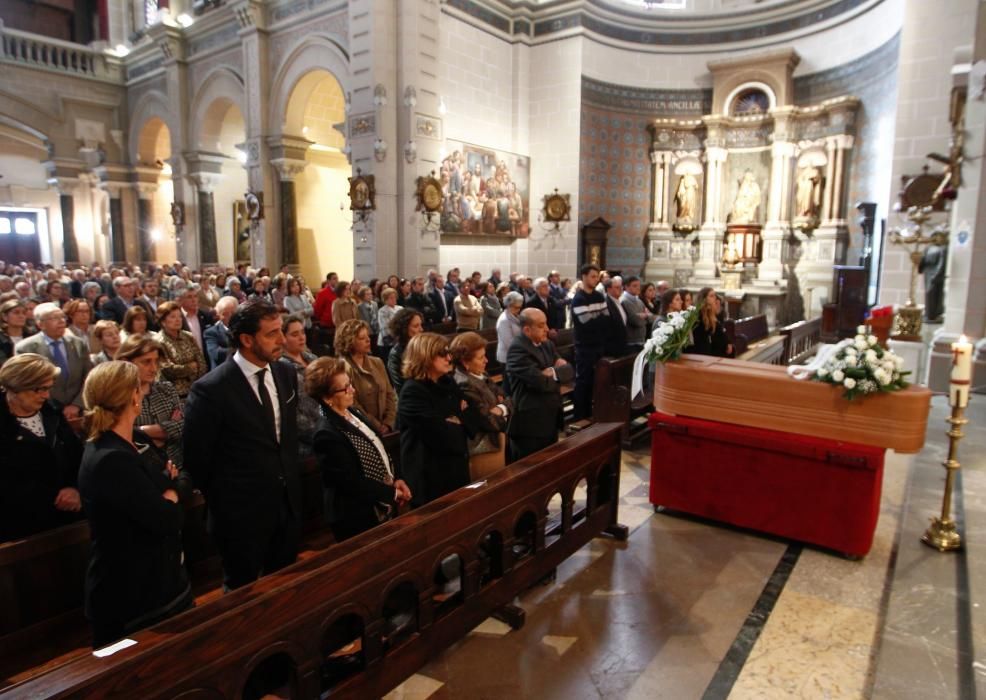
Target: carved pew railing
x=801 y=340
x=360 y=617
x=42 y=577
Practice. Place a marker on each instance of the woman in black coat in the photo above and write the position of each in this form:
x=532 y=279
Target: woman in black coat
x=435 y=422
x=405 y=324
x=41 y=453
x=135 y=577
x=709 y=335
x=359 y=487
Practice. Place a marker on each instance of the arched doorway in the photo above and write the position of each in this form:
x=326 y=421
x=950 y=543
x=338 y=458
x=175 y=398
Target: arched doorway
x=325 y=238
x=156 y=235
x=223 y=130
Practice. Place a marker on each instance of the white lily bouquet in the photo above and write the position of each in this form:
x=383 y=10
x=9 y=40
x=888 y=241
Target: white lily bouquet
x=862 y=367
x=667 y=342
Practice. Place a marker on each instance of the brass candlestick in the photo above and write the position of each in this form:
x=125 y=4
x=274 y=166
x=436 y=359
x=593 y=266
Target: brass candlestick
x=941 y=534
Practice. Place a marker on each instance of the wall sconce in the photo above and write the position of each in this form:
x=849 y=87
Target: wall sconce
x=442 y=108
x=410 y=96
x=379 y=95
x=410 y=151
x=380 y=150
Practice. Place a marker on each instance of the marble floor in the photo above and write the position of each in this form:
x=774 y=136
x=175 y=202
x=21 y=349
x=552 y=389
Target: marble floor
x=687 y=608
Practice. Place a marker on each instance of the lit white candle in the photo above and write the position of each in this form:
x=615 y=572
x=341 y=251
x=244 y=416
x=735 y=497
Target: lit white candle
x=961 y=376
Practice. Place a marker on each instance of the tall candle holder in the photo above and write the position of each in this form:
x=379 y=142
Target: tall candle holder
x=942 y=533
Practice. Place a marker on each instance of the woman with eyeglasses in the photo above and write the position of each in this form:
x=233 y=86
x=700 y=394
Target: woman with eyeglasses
x=41 y=453
x=434 y=420
x=359 y=486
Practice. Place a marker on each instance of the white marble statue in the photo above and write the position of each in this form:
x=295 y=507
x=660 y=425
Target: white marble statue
x=686 y=199
x=747 y=202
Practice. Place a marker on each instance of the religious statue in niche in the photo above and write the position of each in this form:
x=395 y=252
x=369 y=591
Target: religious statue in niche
x=808 y=194
x=747 y=203
x=686 y=202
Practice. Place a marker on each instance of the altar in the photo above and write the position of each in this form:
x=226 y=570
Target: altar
x=751 y=197
x=745 y=444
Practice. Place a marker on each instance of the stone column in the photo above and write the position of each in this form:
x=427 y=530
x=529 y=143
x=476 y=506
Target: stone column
x=713 y=226
x=771 y=268
x=288 y=158
x=146 y=184
x=255 y=42
x=118 y=246
x=659 y=234
x=205 y=173
x=965 y=290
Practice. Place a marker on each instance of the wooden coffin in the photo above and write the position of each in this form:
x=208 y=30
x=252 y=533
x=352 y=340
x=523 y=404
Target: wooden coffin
x=764 y=396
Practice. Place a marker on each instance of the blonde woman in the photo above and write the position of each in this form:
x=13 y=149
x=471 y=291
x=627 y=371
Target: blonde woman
x=709 y=336
x=106 y=335
x=435 y=421
x=135 y=576
x=375 y=397
x=40 y=451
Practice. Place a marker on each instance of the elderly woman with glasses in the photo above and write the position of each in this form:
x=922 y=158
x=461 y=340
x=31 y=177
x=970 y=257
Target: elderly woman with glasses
x=41 y=453
x=435 y=421
x=360 y=489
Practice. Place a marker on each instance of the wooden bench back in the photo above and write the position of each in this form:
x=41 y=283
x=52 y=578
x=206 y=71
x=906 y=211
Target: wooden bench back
x=42 y=577
x=379 y=587
x=743 y=332
x=611 y=401
x=801 y=340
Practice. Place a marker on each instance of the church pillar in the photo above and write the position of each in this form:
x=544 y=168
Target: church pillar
x=205 y=173
x=255 y=42
x=965 y=285
x=146 y=184
x=287 y=170
x=171 y=41
x=713 y=226
x=826 y=244
x=113 y=181
x=771 y=268
x=118 y=247
x=288 y=159
x=659 y=234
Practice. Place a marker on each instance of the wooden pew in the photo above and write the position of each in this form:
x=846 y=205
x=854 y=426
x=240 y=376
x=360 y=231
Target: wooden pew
x=611 y=401
x=379 y=589
x=801 y=340
x=42 y=577
x=752 y=341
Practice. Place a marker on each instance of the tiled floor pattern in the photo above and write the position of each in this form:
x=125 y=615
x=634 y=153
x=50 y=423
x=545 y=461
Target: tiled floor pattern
x=655 y=616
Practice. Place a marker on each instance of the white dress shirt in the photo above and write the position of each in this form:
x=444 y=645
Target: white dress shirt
x=250 y=371
x=195 y=327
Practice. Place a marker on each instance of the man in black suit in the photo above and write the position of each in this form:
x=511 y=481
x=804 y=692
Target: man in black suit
x=548 y=305
x=536 y=375
x=241 y=449
x=217 y=335
x=116 y=308
x=441 y=299
x=421 y=302
x=193 y=319
x=616 y=338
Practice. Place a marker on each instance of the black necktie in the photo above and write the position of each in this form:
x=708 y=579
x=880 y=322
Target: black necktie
x=265 y=401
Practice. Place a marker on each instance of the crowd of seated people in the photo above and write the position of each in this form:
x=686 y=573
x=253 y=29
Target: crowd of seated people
x=128 y=389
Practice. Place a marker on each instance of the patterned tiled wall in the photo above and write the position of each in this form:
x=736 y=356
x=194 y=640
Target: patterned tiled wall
x=614 y=181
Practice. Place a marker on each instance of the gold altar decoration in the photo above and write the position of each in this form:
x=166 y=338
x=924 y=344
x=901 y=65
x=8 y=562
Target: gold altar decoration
x=764 y=396
x=942 y=533
x=907 y=322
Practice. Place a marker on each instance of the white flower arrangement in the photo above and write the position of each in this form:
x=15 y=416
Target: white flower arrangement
x=671 y=337
x=861 y=366
x=667 y=342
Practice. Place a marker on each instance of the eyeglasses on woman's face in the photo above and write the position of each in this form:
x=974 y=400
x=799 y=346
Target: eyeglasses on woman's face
x=46 y=389
x=346 y=387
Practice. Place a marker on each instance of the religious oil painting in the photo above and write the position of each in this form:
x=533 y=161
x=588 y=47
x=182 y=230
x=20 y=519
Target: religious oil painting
x=485 y=192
